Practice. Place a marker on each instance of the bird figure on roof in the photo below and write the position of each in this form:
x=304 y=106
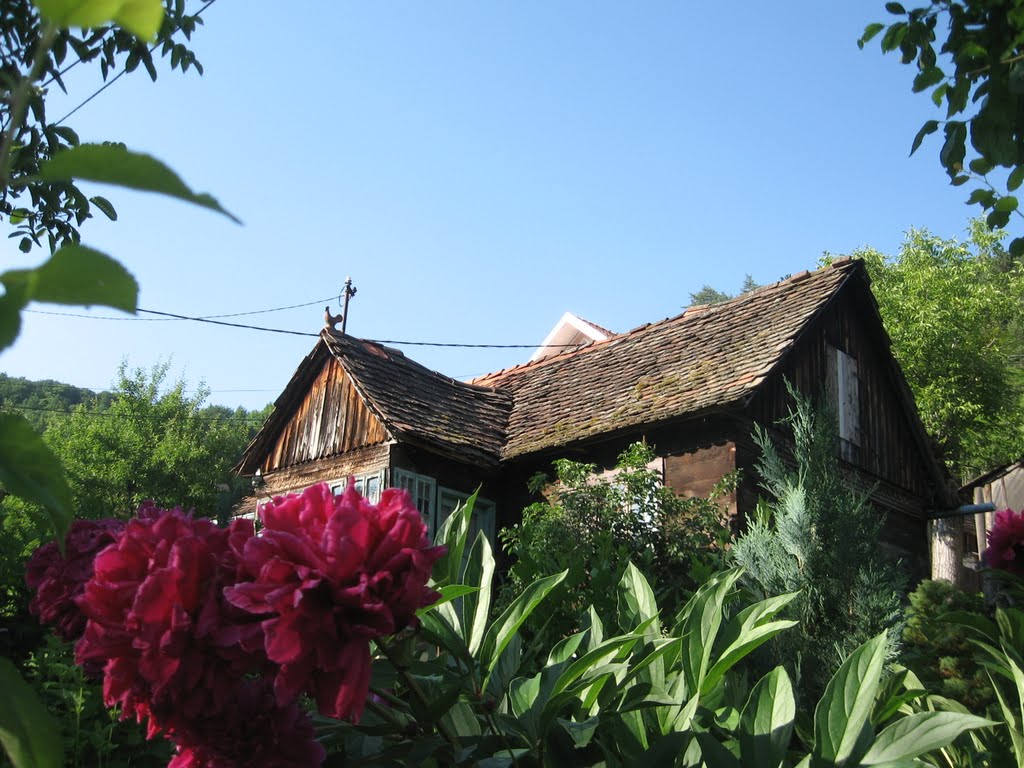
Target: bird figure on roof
x=331 y=321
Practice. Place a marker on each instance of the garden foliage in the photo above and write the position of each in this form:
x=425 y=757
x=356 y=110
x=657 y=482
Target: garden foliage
x=593 y=525
x=818 y=538
x=323 y=602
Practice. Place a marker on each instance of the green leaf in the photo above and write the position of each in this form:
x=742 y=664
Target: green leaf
x=448 y=593
x=476 y=608
x=105 y=206
x=766 y=724
x=846 y=704
x=930 y=127
x=953 y=149
x=894 y=36
x=11 y=304
x=1006 y=204
x=636 y=602
x=30 y=471
x=699 y=621
x=28 y=733
x=501 y=632
x=714 y=753
x=582 y=732
x=895 y=8
x=926 y=79
x=140 y=17
x=869 y=32
x=980 y=166
x=1017 y=247
x=997 y=219
x=19 y=215
x=77 y=275
x=452 y=534
x=960 y=180
x=1013 y=181
x=113 y=164
x=916 y=734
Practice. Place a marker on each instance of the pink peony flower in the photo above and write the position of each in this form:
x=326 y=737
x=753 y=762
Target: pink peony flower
x=252 y=733
x=1006 y=542
x=58 y=581
x=334 y=573
x=173 y=649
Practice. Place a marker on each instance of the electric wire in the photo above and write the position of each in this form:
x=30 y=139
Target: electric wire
x=396 y=342
x=168 y=319
x=136 y=416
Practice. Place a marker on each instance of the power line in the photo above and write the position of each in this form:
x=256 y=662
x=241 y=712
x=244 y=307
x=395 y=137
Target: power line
x=169 y=319
x=397 y=342
x=123 y=72
x=108 y=414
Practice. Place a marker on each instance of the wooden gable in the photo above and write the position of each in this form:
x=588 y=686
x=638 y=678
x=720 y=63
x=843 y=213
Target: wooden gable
x=845 y=352
x=331 y=418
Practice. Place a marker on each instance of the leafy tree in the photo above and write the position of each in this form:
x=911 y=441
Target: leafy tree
x=54 y=210
x=970 y=55
x=154 y=442
x=819 y=538
x=595 y=524
x=709 y=295
x=955 y=313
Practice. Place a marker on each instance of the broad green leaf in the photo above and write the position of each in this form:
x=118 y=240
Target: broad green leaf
x=1016 y=177
x=111 y=164
x=700 y=621
x=581 y=733
x=747 y=631
x=636 y=601
x=714 y=753
x=522 y=693
x=611 y=648
x=565 y=649
x=452 y=534
x=846 y=704
x=77 y=275
x=507 y=625
x=916 y=734
x=140 y=17
x=11 y=304
x=30 y=471
x=1006 y=204
x=448 y=593
x=766 y=724
x=28 y=733
x=476 y=608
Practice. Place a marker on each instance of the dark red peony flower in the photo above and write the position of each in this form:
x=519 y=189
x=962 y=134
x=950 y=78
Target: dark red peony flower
x=173 y=649
x=58 y=581
x=254 y=732
x=334 y=573
x=1006 y=542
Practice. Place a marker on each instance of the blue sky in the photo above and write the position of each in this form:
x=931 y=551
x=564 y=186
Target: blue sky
x=479 y=168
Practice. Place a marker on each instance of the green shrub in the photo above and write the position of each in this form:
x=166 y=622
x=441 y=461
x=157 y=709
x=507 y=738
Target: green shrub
x=820 y=539
x=940 y=651
x=595 y=524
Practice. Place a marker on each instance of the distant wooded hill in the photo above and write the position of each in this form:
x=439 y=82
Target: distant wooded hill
x=42 y=401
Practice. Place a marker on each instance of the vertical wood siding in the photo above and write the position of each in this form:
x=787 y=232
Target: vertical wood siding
x=888 y=450
x=331 y=419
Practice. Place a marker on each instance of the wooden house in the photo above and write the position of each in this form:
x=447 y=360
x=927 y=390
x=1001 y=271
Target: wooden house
x=692 y=386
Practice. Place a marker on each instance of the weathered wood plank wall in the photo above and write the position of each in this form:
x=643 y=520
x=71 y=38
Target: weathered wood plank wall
x=331 y=419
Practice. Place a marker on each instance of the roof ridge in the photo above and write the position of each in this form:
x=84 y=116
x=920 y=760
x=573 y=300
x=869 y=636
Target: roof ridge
x=691 y=312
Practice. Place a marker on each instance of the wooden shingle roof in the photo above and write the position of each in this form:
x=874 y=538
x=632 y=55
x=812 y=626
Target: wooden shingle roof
x=709 y=357
x=464 y=421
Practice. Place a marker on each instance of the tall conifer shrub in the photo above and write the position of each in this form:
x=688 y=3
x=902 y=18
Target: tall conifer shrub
x=820 y=537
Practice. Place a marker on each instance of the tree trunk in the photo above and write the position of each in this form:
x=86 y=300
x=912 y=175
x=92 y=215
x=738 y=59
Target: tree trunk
x=947 y=549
